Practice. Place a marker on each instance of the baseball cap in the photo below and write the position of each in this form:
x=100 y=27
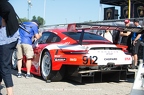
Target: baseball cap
x=127 y=21
x=36 y=22
x=135 y=20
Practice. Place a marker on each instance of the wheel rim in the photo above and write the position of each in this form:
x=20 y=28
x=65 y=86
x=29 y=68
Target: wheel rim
x=14 y=60
x=46 y=65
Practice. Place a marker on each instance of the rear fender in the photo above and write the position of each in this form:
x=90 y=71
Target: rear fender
x=123 y=47
x=55 y=66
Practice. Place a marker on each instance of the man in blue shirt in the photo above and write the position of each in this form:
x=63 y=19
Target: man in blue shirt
x=136 y=38
x=25 y=45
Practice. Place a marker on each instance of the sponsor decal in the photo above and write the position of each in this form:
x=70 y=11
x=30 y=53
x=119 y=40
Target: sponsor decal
x=65 y=38
x=67 y=43
x=89 y=59
x=60 y=59
x=127 y=58
x=110 y=58
x=57 y=55
x=73 y=59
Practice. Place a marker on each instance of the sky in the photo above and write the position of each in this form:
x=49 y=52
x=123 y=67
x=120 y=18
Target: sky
x=61 y=11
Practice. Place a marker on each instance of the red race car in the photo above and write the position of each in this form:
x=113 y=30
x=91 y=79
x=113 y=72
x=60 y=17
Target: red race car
x=74 y=52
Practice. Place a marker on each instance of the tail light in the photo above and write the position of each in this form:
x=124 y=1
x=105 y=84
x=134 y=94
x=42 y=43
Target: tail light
x=125 y=50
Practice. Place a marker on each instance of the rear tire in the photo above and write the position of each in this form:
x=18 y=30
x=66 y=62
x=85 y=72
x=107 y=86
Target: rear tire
x=46 y=69
x=14 y=60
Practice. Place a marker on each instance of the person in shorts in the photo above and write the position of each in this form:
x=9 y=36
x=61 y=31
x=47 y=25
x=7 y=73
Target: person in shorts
x=25 y=45
x=136 y=39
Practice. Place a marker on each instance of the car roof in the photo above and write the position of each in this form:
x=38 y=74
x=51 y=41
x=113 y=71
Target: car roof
x=58 y=30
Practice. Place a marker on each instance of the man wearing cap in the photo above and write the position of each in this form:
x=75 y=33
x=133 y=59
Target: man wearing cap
x=136 y=38
x=25 y=46
x=126 y=35
x=126 y=39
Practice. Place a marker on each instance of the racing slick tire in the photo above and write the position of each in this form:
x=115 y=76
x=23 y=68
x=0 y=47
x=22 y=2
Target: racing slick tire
x=46 y=69
x=14 y=60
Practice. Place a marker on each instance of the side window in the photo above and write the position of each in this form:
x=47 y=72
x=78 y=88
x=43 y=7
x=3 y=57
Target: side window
x=53 y=38
x=44 y=37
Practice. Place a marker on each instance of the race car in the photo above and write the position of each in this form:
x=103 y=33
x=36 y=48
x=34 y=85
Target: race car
x=74 y=53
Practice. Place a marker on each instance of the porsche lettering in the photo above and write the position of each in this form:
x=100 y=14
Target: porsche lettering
x=109 y=53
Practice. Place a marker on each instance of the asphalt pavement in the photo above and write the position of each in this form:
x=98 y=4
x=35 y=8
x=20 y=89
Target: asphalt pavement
x=37 y=86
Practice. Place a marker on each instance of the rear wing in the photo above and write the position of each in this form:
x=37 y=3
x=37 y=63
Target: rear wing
x=94 y=26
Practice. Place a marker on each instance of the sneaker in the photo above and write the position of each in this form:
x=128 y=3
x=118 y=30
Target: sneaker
x=19 y=75
x=28 y=76
x=136 y=67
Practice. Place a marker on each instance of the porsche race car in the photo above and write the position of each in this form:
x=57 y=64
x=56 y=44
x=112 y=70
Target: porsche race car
x=74 y=53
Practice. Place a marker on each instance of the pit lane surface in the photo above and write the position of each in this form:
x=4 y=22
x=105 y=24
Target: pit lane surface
x=37 y=86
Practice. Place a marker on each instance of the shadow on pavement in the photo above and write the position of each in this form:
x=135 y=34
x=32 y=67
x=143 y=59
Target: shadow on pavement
x=129 y=79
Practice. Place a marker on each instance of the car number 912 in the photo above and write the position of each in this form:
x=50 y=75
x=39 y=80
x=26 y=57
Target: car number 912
x=89 y=59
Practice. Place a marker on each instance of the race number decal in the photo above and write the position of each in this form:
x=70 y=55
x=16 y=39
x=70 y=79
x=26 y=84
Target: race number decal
x=91 y=59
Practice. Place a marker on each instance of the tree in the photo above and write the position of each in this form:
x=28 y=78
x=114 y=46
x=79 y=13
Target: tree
x=23 y=20
x=39 y=19
x=34 y=18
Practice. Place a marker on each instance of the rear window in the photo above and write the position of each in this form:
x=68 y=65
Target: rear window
x=87 y=36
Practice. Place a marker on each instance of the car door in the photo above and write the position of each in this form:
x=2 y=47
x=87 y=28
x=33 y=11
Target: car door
x=39 y=45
